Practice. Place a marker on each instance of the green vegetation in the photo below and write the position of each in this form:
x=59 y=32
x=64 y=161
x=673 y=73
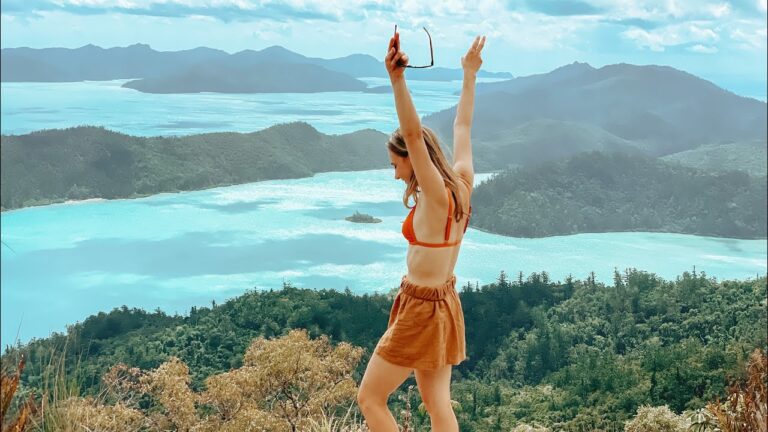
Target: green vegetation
x=747 y=156
x=571 y=355
x=91 y=162
x=362 y=218
x=587 y=192
x=608 y=192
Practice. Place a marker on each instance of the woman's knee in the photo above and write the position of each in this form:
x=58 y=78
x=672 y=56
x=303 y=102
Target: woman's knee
x=437 y=405
x=435 y=389
x=381 y=379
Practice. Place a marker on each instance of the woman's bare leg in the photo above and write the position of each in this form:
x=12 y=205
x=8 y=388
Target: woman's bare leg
x=381 y=378
x=435 y=390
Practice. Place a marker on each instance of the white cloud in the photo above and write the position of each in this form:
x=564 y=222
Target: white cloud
x=672 y=35
x=701 y=34
x=676 y=11
x=649 y=9
x=529 y=32
x=647 y=39
x=675 y=8
x=243 y=4
x=750 y=39
x=703 y=49
x=719 y=11
x=88 y=3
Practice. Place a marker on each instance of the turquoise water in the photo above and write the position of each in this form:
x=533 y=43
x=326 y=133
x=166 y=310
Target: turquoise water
x=178 y=250
x=27 y=107
x=64 y=262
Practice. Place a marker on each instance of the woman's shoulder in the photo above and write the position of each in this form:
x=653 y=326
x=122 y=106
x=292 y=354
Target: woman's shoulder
x=444 y=201
x=466 y=192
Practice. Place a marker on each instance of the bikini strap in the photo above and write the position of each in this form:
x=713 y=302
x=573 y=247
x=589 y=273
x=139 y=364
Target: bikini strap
x=450 y=211
x=466 y=224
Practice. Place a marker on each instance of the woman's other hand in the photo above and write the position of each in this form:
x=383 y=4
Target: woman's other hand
x=471 y=61
x=396 y=59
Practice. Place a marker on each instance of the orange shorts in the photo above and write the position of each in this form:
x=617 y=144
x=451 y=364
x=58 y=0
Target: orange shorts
x=425 y=328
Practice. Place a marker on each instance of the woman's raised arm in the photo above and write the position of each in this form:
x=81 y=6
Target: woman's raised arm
x=462 y=125
x=429 y=178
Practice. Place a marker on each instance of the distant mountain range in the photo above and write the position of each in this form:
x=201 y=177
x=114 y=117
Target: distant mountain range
x=655 y=110
x=656 y=122
x=273 y=69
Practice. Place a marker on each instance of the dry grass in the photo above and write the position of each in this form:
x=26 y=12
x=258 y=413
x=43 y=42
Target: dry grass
x=746 y=406
x=291 y=384
x=329 y=423
x=287 y=384
x=9 y=383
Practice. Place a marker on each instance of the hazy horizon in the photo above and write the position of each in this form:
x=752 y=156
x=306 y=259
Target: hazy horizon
x=720 y=41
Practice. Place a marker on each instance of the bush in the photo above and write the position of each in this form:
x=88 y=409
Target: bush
x=656 y=419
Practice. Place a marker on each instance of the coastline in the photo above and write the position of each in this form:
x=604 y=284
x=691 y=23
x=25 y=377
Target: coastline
x=67 y=202
x=82 y=201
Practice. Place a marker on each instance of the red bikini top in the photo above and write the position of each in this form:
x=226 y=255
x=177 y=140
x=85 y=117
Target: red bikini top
x=410 y=235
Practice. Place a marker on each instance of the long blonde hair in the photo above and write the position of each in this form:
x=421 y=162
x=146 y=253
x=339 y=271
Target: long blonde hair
x=396 y=144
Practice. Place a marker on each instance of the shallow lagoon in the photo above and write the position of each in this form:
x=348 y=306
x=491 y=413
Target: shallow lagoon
x=178 y=250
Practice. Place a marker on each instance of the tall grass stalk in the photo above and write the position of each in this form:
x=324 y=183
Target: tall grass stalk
x=57 y=387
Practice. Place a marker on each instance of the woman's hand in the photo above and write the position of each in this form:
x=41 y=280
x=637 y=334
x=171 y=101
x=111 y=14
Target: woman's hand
x=471 y=61
x=396 y=59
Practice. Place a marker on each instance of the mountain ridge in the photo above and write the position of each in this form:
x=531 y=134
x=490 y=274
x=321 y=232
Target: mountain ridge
x=141 y=61
x=658 y=109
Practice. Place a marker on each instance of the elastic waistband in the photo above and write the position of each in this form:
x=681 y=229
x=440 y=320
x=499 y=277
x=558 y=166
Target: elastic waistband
x=428 y=293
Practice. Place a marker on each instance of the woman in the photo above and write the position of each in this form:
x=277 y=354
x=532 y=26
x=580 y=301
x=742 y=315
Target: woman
x=425 y=332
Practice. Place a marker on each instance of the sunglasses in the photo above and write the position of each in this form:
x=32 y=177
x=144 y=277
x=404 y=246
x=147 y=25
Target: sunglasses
x=431 y=54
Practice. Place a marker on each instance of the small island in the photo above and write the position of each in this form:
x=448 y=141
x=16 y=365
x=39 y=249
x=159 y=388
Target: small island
x=362 y=218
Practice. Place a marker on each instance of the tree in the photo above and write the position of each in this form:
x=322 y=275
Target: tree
x=284 y=384
x=503 y=282
x=292 y=379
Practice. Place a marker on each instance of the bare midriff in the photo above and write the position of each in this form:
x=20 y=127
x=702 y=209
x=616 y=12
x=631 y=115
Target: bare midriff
x=431 y=267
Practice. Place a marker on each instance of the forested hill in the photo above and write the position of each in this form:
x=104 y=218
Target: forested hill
x=657 y=110
x=234 y=77
x=749 y=157
x=605 y=192
x=91 y=162
x=572 y=355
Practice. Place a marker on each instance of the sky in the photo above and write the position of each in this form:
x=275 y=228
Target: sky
x=721 y=41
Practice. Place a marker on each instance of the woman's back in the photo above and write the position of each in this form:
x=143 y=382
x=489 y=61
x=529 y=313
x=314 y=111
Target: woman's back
x=431 y=266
